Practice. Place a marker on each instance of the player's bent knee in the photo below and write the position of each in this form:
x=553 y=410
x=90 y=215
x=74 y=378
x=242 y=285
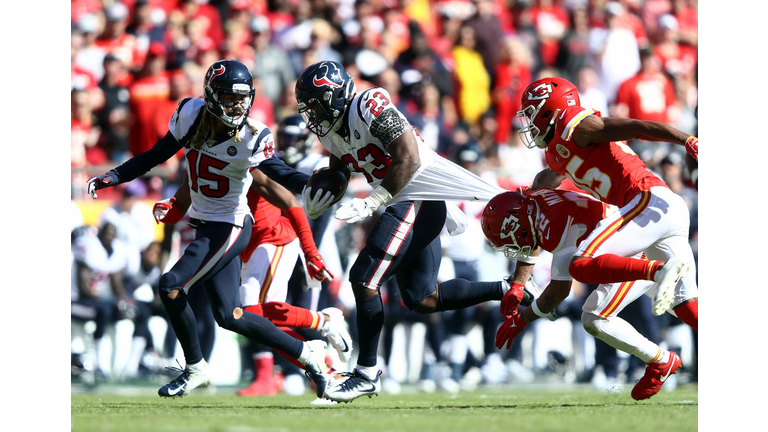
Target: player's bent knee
x=426 y=306
x=591 y=323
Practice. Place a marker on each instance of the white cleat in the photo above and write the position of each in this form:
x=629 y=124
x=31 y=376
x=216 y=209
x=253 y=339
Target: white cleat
x=352 y=386
x=315 y=368
x=185 y=383
x=666 y=280
x=335 y=330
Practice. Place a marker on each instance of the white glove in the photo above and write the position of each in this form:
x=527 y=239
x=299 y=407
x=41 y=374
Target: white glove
x=358 y=209
x=102 y=181
x=315 y=207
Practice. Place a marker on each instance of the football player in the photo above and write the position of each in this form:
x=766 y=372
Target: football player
x=366 y=134
x=222 y=147
x=558 y=221
x=589 y=150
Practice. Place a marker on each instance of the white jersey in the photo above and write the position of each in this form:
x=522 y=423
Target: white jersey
x=437 y=179
x=219 y=173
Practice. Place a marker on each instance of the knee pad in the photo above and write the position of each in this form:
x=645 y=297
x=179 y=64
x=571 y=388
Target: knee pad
x=591 y=323
x=168 y=282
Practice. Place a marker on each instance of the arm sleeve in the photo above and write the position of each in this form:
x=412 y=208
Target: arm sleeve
x=288 y=177
x=138 y=165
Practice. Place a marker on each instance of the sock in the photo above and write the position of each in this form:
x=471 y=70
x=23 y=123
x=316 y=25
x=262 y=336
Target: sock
x=461 y=293
x=610 y=268
x=689 y=314
x=284 y=314
x=370 y=320
x=662 y=357
x=369 y=372
x=184 y=324
x=197 y=366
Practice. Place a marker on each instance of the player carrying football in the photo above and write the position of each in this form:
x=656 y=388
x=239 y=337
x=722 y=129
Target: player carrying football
x=365 y=133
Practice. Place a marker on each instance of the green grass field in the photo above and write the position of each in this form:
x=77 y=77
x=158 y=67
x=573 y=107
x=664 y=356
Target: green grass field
x=508 y=409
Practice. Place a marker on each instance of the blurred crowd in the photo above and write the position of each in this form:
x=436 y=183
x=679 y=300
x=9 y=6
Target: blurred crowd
x=455 y=68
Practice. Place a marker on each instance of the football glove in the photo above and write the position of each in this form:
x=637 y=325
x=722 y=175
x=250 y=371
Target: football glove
x=316 y=267
x=511 y=299
x=316 y=206
x=161 y=208
x=358 y=209
x=509 y=330
x=102 y=181
x=692 y=147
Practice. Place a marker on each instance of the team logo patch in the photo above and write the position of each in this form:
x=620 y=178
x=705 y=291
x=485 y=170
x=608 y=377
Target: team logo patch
x=509 y=227
x=216 y=72
x=540 y=92
x=324 y=78
x=231 y=150
x=357 y=134
x=563 y=151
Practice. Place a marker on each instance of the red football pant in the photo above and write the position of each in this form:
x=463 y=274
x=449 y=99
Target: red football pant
x=611 y=268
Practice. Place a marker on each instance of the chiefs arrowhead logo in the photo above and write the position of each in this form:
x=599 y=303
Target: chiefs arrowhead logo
x=509 y=227
x=541 y=91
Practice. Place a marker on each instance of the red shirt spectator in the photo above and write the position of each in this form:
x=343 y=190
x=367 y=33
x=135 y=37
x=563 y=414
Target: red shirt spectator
x=513 y=74
x=208 y=16
x=116 y=41
x=151 y=87
x=552 y=22
x=648 y=95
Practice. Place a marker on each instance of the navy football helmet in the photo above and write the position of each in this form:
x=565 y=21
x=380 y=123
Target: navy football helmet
x=228 y=77
x=293 y=139
x=323 y=92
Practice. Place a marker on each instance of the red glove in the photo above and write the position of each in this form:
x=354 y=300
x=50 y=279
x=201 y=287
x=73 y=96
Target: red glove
x=166 y=211
x=511 y=299
x=692 y=147
x=509 y=330
x=316 y=267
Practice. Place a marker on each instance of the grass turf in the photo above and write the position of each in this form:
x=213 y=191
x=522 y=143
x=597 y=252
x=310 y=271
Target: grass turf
x=498 y=409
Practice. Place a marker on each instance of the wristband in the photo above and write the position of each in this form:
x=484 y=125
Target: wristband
x=173 y=216
x=690 y=138
x=537 y=311
x=300 y=225
x=379 y=196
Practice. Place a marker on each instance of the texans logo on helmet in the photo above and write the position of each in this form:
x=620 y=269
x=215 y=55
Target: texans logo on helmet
x=216 y=71
x=540 y=92
x=324 y=79
x=509 y=227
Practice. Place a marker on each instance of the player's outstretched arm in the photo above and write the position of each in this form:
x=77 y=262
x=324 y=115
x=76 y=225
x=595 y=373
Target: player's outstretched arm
x=283 y=199
x=595 y=130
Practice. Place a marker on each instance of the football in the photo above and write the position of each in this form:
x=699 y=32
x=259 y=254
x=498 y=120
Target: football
x=328 y=179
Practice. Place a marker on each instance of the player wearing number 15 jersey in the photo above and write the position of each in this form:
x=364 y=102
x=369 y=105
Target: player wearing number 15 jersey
x=365 y=133
x=586 y=148
x=222 y=146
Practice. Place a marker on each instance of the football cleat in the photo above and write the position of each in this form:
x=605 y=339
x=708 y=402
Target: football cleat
x=315 y=369
x=334 y=329
x=666 y=280
x=352 y=386
x=185 y=383
x=655 y=376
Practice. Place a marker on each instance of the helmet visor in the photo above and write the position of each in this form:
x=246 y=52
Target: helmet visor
x=317 y=117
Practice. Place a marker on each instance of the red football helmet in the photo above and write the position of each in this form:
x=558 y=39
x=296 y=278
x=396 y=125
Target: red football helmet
x=542 y=101
x=509 y=223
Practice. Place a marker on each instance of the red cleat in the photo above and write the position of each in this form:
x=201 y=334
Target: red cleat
x=655 y=375
x=259 y=388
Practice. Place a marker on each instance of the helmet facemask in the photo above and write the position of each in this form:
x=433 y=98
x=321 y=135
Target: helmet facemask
x=531 y=135
x=217 y=107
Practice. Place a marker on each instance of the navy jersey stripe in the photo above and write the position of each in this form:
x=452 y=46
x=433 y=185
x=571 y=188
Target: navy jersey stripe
x=264 y=133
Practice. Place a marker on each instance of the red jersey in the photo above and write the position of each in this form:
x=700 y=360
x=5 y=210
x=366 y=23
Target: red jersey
x=565 y=219
x=610 y=172
x=269 y=225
